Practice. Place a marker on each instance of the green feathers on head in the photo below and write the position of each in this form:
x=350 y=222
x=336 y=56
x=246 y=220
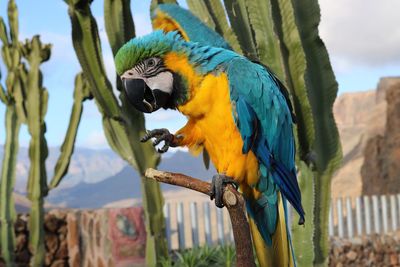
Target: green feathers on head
x=136 y=50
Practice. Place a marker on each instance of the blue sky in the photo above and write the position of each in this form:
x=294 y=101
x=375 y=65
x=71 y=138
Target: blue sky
x=362 y=37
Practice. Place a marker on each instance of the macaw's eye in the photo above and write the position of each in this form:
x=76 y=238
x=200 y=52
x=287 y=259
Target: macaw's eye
x=151 y=63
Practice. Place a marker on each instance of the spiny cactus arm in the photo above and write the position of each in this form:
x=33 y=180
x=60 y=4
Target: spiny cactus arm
x=36 y=233
x=295 y=67
x=118 y=21
x=200 y=10
x=36 y=106
x=81 y=93
x=154 y=3
x=7 y=181
x=321 y=84
x=239 y=20
x=322 y=90
x=118 y=139
x=3 y=32
x=118 y=16
x=85 y=38
x=266 y=37
x=11 y=59
x=3 y=96
x=86 y=42
x=302 y=235
x=19 y=93
x=216 y=12
x=12 y=12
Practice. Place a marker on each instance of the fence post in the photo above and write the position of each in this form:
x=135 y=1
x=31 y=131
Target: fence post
x=393 y=212
x=331 y=229
x=167 y=216
x=194 y=224
x=367 y=209
x=207 y=223
x=384 y=214
x=340 y=217
x=375 y=206
x=220 y=226
x=181 y=227
x=349 y=218
x=359 y=216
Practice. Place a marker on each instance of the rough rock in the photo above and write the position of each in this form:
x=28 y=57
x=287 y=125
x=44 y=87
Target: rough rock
x=357 y=117
x=380 y=170
x=374 y=251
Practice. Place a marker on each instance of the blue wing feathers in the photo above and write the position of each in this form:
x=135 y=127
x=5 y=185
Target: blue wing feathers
x=196 y=30
x=258 y=98
x=246 y=124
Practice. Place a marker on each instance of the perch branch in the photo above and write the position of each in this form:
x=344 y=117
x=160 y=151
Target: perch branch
x=233 y=201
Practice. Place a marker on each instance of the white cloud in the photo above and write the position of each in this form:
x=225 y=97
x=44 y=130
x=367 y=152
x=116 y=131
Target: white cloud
x=96 y=140
x=361 y=32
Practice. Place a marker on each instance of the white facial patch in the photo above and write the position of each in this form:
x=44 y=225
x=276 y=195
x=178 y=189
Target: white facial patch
x=162 y=81
x=131 y=74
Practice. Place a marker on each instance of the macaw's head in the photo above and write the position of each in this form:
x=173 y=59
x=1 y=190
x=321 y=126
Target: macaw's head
x=148 y=83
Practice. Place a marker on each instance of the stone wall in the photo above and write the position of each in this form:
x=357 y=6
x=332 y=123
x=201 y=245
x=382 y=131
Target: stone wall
x=104 y=237
x=55 y=240
x=372 y=251
x=117 y=237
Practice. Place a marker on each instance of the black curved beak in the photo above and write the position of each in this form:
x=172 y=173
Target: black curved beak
x=142 y=97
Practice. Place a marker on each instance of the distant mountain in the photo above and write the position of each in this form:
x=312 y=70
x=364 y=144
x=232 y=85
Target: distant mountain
x=87 y=165
x=126 y=183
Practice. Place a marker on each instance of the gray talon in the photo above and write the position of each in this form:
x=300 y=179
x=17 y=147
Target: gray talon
x=219 y=181
x=160 y=135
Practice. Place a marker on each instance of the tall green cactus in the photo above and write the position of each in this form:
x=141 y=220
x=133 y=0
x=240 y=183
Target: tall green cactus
x=36 y=108
x=123 y=125
x=11 y=97
x=26 y=102
x=81 y=93
x=283 y=34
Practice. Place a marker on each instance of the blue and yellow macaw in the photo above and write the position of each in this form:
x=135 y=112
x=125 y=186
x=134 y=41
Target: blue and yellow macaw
x=236 y=109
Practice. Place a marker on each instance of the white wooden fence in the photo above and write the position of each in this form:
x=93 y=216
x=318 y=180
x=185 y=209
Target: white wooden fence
x=356 y=217
x=198 y=223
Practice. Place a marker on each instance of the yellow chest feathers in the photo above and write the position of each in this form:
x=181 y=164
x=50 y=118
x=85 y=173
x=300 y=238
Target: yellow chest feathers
x=210 y=119
x=210 y=122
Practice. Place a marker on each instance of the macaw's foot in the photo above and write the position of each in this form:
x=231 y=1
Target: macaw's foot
x=160 y=135
x=219 y=181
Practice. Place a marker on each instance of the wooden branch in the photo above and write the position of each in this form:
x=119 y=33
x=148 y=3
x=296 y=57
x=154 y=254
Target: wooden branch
x=233 y=201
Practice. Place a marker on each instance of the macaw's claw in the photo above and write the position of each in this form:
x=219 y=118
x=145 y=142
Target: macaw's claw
x=160 y=135
x=219 y=181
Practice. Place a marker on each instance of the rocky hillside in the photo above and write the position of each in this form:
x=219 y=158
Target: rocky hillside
x=359 y=116
x=381 y=169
